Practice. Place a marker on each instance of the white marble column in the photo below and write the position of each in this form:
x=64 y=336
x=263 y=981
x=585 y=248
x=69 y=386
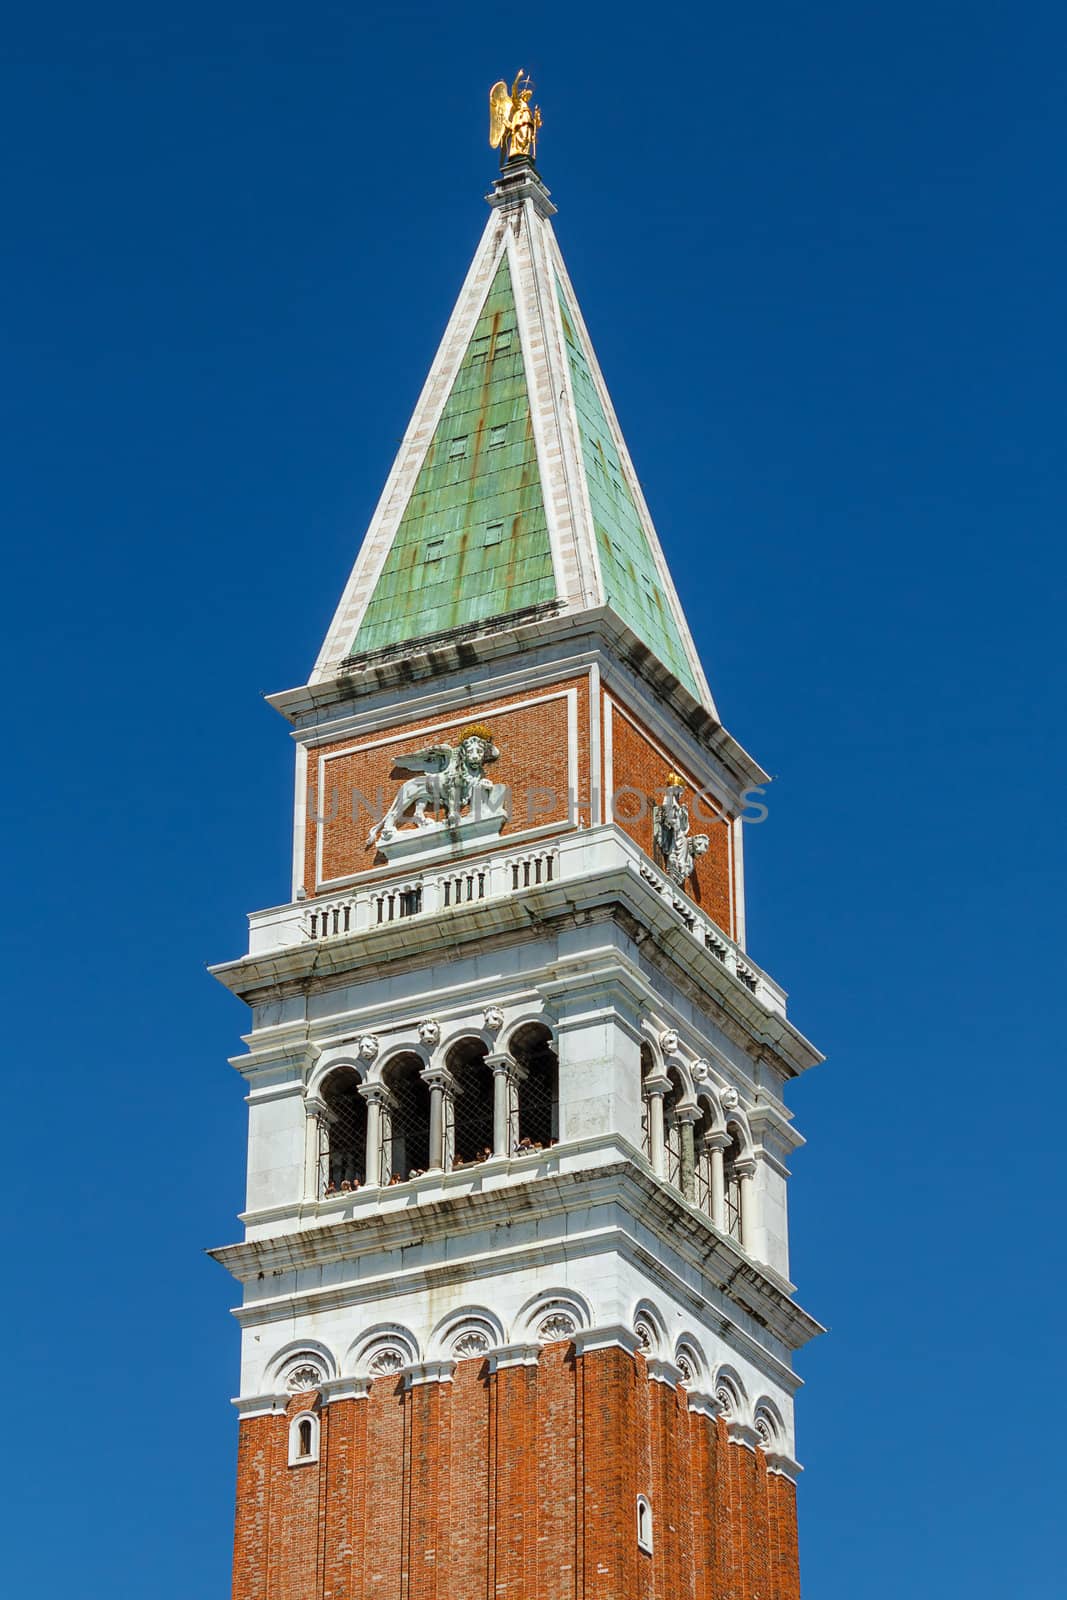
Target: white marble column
x=438 y=1081
x=315 y=1115
x=751 y=1242
x=655 y=1088
x=375 y=1095
x=502 y=1067
x=715 y=1144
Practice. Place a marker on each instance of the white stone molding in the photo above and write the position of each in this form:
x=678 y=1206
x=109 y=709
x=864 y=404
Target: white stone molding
x=345 y=1389
x=553 y=1314
x=691 y=1362
x=611 y=1336
x=301 y=1366
x=304 y=1439
x=767 y=1421
x=305 y=1377
x=782 y=1462
x=466 y=1333
x=705 y=1404
x=428 y=1372
x=650 y=1329
x=382 y=1351
x=556 y=1324
x=729 y=1391
x=663 y=1372
x=514 y=1355
x=742 y=1433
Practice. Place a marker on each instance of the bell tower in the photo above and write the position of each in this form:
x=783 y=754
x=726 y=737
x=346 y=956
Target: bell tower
x=516 y=1318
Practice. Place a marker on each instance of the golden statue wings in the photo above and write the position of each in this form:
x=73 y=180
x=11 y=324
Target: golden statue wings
x=513 y=122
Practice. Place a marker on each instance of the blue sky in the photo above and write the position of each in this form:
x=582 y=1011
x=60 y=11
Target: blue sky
x=820 y=251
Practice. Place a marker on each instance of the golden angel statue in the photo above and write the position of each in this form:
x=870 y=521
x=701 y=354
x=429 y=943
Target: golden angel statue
x=513 y=122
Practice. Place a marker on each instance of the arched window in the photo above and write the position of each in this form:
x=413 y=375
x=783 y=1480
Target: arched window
x=732 y=1186
x=472 y=1102
x=303 y=1439
x=406 y=1119
x=644 y=1525
x=345 y=1130
x=531 y=1046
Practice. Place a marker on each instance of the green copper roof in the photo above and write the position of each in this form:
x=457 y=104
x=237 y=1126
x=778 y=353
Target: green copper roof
x=473 y=541
x=631 y=583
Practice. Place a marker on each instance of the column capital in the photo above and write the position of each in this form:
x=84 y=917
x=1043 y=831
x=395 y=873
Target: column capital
x=717 y=1139
x=656 y=1083
x=500 y=1061
x=376 y=1094
x=314 y=1106
x=437 y=1077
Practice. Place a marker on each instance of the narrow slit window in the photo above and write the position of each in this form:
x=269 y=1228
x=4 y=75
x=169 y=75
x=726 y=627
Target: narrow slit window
x=494 y=533
x=435 y=550
x=479 y=348
x=498 y=436
x=503 y=342
x=644 y=1525
x=457 y=448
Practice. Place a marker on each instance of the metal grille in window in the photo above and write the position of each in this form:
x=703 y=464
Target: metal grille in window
x=539 y=1100
x=472 y=1111
x=538 y=1090
x=733 y=1206
x=702 y=1193
x=345 y=1128
x=674 y=1154
x=463 y=888
x=406 y=1130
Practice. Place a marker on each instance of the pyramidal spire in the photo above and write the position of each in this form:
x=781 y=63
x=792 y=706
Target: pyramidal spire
x=512 y=498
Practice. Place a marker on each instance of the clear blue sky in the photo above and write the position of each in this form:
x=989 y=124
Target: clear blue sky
x=821 y=251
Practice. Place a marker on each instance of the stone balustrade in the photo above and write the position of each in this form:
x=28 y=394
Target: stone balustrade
x=440 y=890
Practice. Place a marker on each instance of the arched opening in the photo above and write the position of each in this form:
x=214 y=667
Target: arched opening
x=345 y=1127
x=304 y=1437
x=672 y=1127
x=406 y=1122
x=471 y=1102
x=732 y=1186
x=531 y=1047
x=644 y=1525
x=648 y=1067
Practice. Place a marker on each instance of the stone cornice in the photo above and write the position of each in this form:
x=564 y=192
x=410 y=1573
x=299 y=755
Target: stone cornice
x=456 y=652
x=688 y=1241
x=614 y=894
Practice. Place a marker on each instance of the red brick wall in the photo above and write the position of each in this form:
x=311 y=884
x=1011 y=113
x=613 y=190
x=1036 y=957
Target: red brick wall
x=638 y=764
x=533 y=744
x=516 y=1486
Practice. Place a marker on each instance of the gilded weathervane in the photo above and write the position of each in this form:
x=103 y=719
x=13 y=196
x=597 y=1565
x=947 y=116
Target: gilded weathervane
x=513 y=122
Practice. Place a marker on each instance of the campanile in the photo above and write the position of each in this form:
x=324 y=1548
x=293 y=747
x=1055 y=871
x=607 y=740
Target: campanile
x=516 y=1318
